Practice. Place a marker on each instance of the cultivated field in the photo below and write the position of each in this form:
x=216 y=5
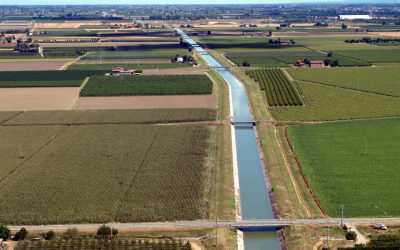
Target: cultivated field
x=139 y=65
x=145 y=116
x=55 y=78
x=145 y=102
x=381 y=80
x=101 y=172
x=354 y=164
x=25 y=99
x=148 y=85
x=279 y=90
x=31 y=66
x=326 y=103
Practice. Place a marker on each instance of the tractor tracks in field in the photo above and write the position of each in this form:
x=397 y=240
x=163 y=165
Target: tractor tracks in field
x=26 y=159
x=136 y=174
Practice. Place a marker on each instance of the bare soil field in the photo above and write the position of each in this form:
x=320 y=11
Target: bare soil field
x=64 y=25
x=393 y=34
x=31 y=66
x=29 y=99
x=103 y=44
x=145 y=102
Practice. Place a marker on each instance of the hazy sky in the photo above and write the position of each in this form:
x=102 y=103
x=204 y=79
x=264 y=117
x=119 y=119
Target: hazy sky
x=47 y=2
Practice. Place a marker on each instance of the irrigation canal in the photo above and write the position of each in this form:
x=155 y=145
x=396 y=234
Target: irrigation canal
x=254 y=198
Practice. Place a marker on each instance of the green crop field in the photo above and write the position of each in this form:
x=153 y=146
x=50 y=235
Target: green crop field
x=354 y=164
x=383 y=54
x=326 y=103
x=134 y=116
x=148 y=85
x=381 y=80
x=284 y=58
x=135 y=54
x=56 y=78
x=109 y=66
x=277 y=88
x=98 y=173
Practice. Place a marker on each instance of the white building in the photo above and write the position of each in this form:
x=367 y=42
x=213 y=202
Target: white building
x=353 y=17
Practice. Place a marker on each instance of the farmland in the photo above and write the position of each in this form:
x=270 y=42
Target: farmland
x=138 y=116
x=104 y=244
x=148 y=85
x=380 y=80
x=139 y=65
x=287 y=58
x=277 y=88
x=326 y=103
x=44 y=78
x=351 y=164
x=135 y=54
x=105 y=174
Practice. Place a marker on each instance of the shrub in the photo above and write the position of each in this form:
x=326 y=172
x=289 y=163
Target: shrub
x=246 y=64
x=105 y=230
x=71 y=232
x=49 y=235
x=351 y=235
x=4 y=232
x=21 y=234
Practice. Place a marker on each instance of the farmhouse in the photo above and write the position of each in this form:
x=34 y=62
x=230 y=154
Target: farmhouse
x=317 y=64
x=311 y=64
x=354 y=17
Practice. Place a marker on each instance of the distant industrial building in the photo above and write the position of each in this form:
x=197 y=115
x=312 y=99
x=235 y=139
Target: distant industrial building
x=354 y=17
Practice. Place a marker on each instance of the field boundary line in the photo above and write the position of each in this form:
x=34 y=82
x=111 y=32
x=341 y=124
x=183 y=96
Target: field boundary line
x=33 y=154
x=73 y=106
x=136 y=173
x=294 y=182
x=10 y=118
x=66 y=66
x=304 y=178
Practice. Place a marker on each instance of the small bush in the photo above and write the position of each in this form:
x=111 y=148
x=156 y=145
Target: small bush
x=49 y=235
x=351 y=235
x=21 y=234
x=71 y=232
x=105 y=230
x=4 y=232
x=246 y=64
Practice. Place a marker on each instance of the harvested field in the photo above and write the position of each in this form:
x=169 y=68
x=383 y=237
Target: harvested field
x=145 y=102
x=31 y=66
x=63 y=25
x=22 y=99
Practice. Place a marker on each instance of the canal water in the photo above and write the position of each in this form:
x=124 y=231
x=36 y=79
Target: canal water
x=254 y=199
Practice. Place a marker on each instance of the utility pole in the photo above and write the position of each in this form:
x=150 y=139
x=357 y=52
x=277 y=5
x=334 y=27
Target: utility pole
x=365 y=146
x=341 y=215
x=20 y=152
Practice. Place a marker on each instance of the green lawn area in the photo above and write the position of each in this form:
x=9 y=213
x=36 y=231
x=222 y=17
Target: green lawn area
x=355 y=164
x=326 y=103
x=148 y=85
x=382 y=80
